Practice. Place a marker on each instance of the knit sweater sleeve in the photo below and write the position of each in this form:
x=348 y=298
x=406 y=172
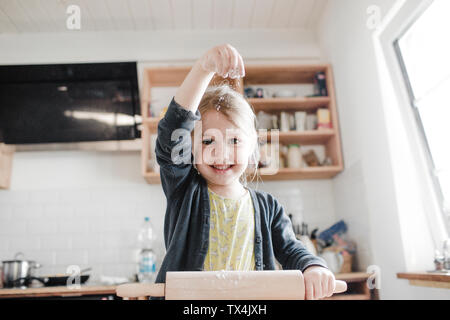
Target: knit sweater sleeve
x=174 y=146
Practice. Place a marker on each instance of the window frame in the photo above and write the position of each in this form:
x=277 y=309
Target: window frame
x=419 y=124
x=397 y=21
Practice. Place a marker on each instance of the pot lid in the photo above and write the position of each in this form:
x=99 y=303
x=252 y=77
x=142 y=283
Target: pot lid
x=16 y=258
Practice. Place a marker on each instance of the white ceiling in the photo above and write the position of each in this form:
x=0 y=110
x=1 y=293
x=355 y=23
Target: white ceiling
x=31 y=16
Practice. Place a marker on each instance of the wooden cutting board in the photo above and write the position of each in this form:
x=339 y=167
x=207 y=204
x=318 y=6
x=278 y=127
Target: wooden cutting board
x=226 y=285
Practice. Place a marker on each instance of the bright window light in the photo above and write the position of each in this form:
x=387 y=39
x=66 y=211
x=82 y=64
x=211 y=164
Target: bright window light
x=424 y=52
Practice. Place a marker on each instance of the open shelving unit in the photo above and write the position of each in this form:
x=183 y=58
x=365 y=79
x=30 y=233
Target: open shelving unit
x=173 y=76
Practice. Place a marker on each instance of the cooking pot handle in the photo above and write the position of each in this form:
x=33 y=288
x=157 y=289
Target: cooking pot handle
x=18 y=254
x=36 y=265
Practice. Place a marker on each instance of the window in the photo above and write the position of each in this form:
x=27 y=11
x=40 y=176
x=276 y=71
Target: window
x=424 y=54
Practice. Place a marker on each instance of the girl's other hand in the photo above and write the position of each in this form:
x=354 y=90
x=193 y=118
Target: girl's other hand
x=224 y=60
x=319 y=283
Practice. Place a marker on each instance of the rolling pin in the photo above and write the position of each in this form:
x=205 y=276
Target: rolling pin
x=226 y=285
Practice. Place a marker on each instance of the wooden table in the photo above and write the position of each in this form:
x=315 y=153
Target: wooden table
x=427 y=279
x=62 y=291
x=356 y=282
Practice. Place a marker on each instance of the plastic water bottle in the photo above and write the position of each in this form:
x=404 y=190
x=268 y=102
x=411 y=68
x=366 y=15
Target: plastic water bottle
x=146 y=269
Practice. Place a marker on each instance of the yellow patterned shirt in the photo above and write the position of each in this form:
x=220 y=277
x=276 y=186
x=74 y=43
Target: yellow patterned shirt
x=231 y=234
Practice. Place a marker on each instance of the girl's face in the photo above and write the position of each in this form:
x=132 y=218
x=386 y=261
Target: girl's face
x=223 y=153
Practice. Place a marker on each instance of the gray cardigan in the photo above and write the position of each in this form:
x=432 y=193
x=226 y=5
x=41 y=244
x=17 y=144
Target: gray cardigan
x=186 y=224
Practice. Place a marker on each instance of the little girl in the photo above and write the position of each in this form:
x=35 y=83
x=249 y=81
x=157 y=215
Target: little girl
x=213 y=220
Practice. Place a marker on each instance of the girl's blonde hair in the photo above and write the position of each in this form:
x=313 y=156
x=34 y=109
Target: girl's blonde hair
x=237 y=110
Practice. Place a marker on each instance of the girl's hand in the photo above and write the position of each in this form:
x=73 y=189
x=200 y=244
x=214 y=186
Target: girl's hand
x=319 y=283
x=223 y=60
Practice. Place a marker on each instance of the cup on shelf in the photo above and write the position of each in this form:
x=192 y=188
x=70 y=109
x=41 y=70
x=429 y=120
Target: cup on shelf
x=294 y=156
x=284 y=156
x=264 y=120
x=275 y=122
x=311 y=122
x=284 y=122
x=300 y=120
x=249 y=92
x=291 y=122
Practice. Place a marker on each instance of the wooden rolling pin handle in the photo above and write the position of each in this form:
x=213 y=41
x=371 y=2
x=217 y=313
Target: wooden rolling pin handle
x=340 y=286
x=131 y=290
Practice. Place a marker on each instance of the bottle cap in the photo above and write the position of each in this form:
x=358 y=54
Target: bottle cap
x=147 y=219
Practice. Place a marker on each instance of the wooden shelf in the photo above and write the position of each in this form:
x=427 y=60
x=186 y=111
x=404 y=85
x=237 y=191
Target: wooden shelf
x=288 y=104
x=325 y=172
x=300 y=137
x=282 y=174
x=281 y=74
x=260 y=75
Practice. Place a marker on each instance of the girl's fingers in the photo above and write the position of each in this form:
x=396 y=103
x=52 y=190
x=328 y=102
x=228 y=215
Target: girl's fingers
x=324 y=288
x=241 y=67
x=218 y=63
x=225 y=58
x=317 y=289
x=331 y=286
x=225 y=61
x=309 y=288
x=234 y=62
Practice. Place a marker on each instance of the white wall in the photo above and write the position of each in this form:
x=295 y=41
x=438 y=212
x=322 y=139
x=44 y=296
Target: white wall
x=365 y=192
x=162 y=46
x=83 y=207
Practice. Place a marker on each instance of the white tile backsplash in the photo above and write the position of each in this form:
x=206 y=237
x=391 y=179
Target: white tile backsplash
x=94 y=222
x=56 y=210
x=39 y=226
x=14 y=197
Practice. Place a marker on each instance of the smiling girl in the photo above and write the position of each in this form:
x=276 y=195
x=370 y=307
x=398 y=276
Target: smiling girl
x=213 y=220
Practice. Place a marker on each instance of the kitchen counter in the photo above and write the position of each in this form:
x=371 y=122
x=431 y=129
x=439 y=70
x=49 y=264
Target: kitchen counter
x=61 y=291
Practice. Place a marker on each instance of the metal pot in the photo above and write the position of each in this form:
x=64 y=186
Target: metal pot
x=16 y=271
